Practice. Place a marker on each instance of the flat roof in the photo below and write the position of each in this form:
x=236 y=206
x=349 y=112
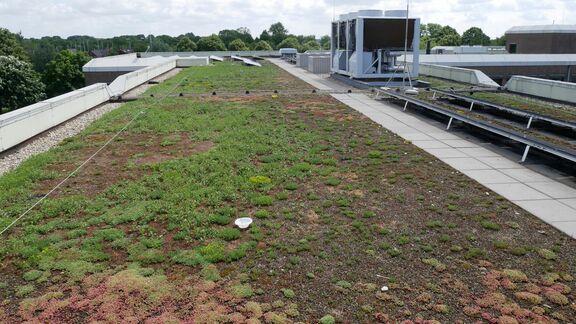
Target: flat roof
x=125 y=63
x=543 y=29
x=470 y=60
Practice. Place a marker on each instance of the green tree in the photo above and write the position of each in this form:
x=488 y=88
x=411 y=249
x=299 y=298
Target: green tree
x=41 y=52
x=475 y=36
x=262 y=46
x=64 y=73
x=277 y=33
x=310 y=46
x=193 y=37
x=186 y=45
x=211 y=43
x=20 y=85
x=159 y=45
x=326 y=42
x=438 y=35
x=449 y=37
x=238 y=45
x=229 y=35
x=425 y=37
x=265 y=36
x=9 y=45
x=450 y=40
x=434 y=31
x=500 y=41
x=290 y=42
x=168 y=40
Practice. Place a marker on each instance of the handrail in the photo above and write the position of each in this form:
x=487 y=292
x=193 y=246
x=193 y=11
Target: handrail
x=515 y=111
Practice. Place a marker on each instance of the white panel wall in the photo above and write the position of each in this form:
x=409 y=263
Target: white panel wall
x=131 y=80
x=192 y=61
x=22 y=124
x=556 y=90
x=217 y=53
x=469 y=76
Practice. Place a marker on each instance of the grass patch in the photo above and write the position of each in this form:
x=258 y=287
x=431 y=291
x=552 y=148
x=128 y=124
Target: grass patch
x=263 y=200
x=288 y=293
x=242 y=291
x=489 y=225
x=32 y=275
x=228 y=234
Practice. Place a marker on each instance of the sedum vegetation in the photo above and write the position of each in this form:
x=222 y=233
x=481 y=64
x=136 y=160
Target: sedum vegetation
x=341 y=208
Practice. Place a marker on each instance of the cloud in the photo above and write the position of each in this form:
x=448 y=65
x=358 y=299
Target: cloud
x=105 y=18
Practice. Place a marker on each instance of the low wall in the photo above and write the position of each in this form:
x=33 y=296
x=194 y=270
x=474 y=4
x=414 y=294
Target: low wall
x=192 y=61
x=20 y=125
x=469 y=76
x=216 y=53
x=129 y=81
x=556 y=90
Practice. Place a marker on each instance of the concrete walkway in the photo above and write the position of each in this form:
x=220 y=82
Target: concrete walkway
x=549 y=200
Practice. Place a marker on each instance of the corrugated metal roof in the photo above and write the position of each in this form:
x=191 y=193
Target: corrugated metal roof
x=543 y=29
x=472 y=60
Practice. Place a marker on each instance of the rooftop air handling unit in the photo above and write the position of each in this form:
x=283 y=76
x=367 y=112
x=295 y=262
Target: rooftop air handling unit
x=369 y=46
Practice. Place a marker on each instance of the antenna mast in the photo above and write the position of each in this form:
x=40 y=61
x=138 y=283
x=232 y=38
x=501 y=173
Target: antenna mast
x=334 y=11
x=406 y=48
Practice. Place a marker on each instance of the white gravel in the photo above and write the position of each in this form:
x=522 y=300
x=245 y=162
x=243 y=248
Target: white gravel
x=14 y=157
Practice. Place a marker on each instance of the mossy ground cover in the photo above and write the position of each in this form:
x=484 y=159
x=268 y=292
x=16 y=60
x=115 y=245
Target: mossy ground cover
x=341 y=208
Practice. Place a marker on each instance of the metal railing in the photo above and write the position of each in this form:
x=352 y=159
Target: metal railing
x=563 y=153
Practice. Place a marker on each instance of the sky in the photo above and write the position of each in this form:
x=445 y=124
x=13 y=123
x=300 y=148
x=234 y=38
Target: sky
x=106 y=18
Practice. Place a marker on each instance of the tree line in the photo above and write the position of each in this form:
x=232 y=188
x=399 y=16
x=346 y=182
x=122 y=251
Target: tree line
x=439 y=35
x=32 y=69
x=23 y=83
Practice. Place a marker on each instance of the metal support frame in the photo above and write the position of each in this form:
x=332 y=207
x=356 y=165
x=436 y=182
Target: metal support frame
x=405 y=106
x=525 y=154
x=434 y=96
x=530 y=122
x=379 y=61
x=471 y=105
x=561 y=152
x=515 y=111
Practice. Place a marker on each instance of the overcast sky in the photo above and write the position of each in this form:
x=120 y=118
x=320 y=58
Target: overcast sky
x=105 y=18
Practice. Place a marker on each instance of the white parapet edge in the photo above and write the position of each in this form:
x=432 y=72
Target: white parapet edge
x=550 y=89
x=470 y=76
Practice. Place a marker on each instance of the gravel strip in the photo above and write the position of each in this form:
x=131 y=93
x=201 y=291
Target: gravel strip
x=12 y=158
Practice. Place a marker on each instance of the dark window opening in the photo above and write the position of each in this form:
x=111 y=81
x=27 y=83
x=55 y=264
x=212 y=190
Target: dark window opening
x=512 y=49
x=387 y=33
x=342 y=35
x=334 y=35
x=352 y=29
